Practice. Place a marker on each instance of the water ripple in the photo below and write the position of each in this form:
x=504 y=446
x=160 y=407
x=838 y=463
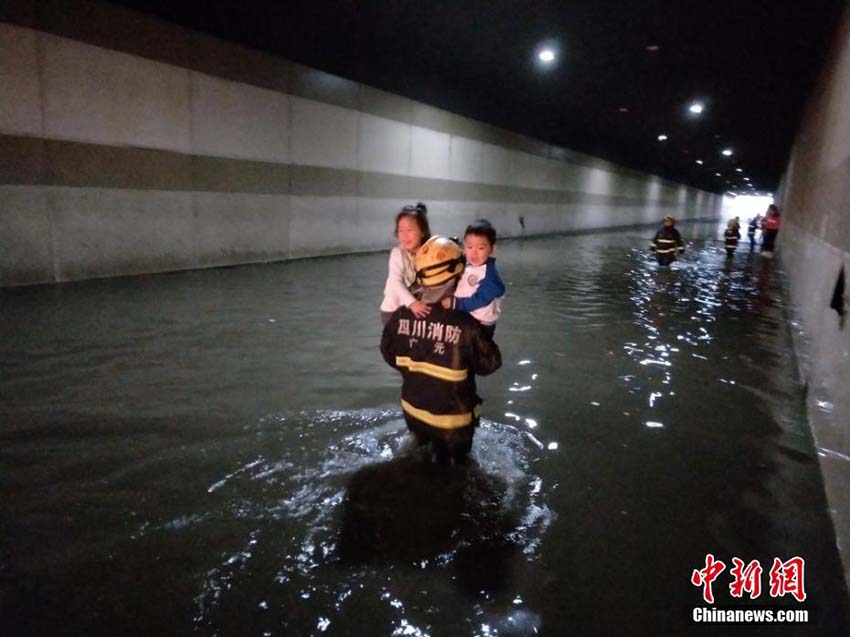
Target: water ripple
x=346 y=506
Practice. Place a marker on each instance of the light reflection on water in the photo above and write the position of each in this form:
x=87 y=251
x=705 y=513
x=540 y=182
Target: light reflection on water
x=362 y=518
x=226 y=447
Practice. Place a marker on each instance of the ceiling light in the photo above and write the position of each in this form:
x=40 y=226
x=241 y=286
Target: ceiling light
x=696 y=108
x=653 y=47
x=662 y=138
x=746 y=178
x=727 y=152
x=740 y=170
x=717 y=175
x=547 y=55
x=699 y=161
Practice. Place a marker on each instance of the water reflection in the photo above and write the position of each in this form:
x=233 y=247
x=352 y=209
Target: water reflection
x=366 y=518
x=677 y=310
x=410 y=510
x=225 y=447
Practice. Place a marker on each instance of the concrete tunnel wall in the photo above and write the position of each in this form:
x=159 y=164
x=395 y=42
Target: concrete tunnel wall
x=132 y=145
x=815 y=246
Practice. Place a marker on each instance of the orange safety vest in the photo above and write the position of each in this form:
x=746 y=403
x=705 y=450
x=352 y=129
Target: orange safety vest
x=771 y=223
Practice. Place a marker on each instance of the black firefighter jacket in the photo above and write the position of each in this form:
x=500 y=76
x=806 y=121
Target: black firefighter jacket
x=667 y=241
x=438 y=358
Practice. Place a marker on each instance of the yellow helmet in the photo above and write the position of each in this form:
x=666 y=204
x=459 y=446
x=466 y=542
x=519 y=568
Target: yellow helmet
x=437 y=261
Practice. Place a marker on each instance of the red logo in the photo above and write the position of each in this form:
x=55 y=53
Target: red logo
x=786 y=578
x=746 y=579
x=706 y=576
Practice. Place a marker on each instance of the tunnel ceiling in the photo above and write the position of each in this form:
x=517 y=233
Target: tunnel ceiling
x=625 y=72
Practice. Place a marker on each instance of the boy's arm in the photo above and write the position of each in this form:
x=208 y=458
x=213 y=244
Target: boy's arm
x=489 y=289
x=395 y=286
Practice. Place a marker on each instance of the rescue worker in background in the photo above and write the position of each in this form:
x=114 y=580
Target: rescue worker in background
x=438 y=357
x=754 y=225
x=731 y=237
x=769 y=228
x=667 y=242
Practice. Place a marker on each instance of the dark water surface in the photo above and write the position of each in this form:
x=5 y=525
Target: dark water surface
x=222 y=452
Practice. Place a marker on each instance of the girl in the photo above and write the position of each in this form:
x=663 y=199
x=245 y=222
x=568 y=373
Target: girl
x=411 y=229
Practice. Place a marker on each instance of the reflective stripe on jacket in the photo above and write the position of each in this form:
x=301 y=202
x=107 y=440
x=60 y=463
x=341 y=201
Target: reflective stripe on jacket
x=667 y=240
x=438 y=358
x=731 y=236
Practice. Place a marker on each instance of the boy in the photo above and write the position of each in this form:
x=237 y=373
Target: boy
x=480 y=289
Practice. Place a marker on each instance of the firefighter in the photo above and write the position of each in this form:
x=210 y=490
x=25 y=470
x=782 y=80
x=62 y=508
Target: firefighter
x=667 y=242
x=755 y=224
x=438 y=356
x=731 y=237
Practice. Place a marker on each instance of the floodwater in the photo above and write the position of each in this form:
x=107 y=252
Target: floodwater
x=222 y=452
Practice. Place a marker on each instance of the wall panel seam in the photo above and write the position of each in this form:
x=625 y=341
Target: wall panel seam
x=592 y=162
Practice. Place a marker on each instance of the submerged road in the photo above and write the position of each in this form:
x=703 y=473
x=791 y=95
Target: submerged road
x=222 y=452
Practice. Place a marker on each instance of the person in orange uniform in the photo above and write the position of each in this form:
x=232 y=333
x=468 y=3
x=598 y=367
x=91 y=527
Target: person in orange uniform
x=770 y=228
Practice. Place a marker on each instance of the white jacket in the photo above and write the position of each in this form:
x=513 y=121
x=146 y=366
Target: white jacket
x=401 y=277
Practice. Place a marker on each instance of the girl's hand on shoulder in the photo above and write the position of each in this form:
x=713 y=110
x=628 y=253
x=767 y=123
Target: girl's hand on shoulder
x=420 y=309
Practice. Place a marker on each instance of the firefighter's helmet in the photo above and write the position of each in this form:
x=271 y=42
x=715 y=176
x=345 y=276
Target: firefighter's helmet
x=437 y=261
